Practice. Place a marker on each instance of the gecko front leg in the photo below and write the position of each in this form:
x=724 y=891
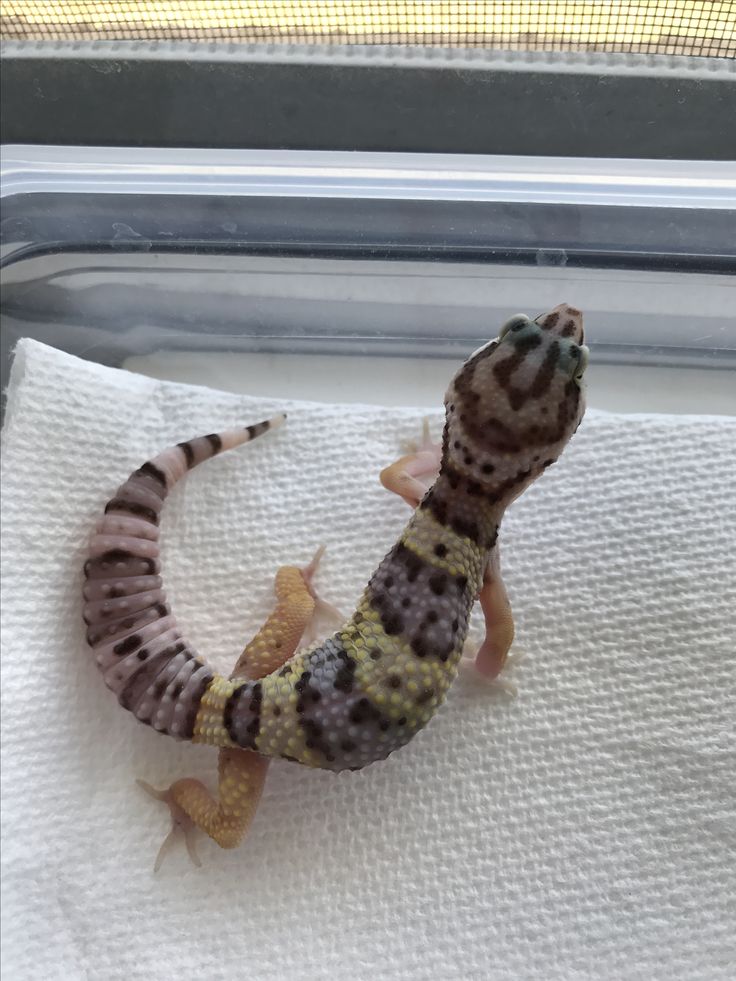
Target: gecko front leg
x=492 y=656
x=402 y=476
x=242 y=773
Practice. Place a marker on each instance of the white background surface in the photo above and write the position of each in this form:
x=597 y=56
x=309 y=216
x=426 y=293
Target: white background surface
x=584 y=830
x=403 y=381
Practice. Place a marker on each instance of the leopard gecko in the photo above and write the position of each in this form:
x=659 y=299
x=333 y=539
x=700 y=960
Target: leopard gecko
x=367 y=689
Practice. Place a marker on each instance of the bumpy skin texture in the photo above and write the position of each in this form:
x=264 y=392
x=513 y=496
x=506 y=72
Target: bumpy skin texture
x=367 y=689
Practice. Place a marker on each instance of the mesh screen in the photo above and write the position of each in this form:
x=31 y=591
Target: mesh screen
x=689 y=27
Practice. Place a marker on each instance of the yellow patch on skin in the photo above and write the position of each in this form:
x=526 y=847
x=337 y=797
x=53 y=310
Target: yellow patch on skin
x=462 y=555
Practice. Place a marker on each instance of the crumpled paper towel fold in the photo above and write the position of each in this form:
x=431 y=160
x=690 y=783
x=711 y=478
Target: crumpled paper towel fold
x=584 y=830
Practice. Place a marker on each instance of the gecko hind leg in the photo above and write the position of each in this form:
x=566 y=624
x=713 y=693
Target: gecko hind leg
x=242 y=773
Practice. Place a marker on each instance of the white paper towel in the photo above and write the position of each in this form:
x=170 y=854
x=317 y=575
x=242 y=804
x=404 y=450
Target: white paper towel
x=584 y=830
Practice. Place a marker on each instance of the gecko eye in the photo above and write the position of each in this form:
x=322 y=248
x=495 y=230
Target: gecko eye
x=515 y=323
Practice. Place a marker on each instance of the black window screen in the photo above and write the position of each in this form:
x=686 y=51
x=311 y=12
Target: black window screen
x=704 y=28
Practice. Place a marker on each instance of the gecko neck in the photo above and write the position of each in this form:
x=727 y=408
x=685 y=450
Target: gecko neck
x=466 y=506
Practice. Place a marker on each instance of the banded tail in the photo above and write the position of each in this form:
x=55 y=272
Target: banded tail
x=138 y=647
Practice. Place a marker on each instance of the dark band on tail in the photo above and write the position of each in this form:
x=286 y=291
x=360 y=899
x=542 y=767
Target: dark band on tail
x=144 y=660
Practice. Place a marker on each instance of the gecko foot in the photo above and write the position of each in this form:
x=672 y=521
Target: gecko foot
x=470 y=668
x=423 y=445
x=181 y=825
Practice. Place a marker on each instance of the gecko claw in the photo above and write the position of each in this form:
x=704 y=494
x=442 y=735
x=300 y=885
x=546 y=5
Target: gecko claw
x=181 y=825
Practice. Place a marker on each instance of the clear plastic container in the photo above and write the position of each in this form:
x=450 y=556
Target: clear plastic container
x=234 y=267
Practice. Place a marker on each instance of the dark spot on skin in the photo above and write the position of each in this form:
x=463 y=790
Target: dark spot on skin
x=452 y=407
x=177 y=690
x=468 y=461
x=425 y=696
x=188 y=453
x=393 y=681
x=284 y=671
x=215 y=442
x=543 y=378
x=345 y=677
x=455 y=625
x=127 y=645
x=473 y=488
x=301 y=685
x=316 y=696
x=151 y=470
x=142 y=654
x=550 y=320
x=159 y=688
x=432 y=617
x=411 y=560
x=347 y=746
x=438 y=583
x=162 y=609
x=361 y=711
x=466 y=529
x=440 y=551
x=462 y=582
x=456 y=444
x=227 y=715
x=130 y=507
x=388 y=582
x=436 y=506
x=256 y=697
x=276 y=711
x=418 y=645
x=197 y=696
x=569 y=329
x=375 y=654
x=257 y=429
x=488 y=468
x=312 y=727
x=383 y=725
x=392 y=624
x=401 y=721
x=547 y=463
x=406 y=603
x=498 y=436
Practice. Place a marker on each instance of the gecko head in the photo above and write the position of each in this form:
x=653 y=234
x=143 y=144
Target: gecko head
x=516 y=402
